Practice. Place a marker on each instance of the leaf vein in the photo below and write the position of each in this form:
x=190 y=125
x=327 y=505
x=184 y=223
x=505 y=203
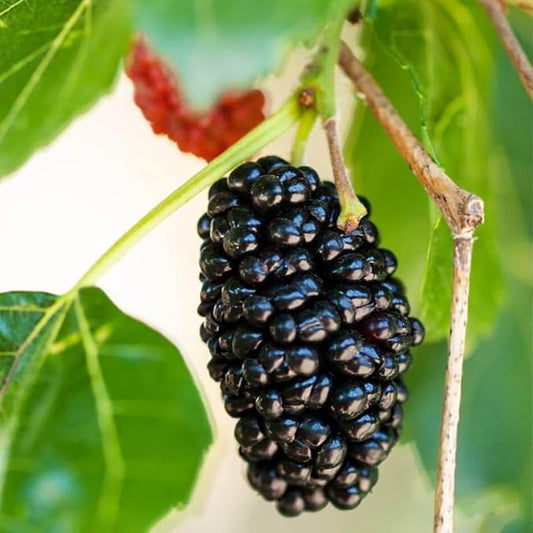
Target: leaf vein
x=60 y=307
x=34 y=79
x=34 y=333
x=23 y=309
x=21 y=63
x=81 y=54
x=108 y=505
x=12 y=6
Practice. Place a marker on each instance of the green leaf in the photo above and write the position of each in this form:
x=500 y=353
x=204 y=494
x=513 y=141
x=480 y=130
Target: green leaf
x=514 y=128
x=20 y=312
x=399 y=203
x=56 y=59
x=447 y=48
x=496 y=427
x=494 y=459
x=219 y=44
x=105 y=430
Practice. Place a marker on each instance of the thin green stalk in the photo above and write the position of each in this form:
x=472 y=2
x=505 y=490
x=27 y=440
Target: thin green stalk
x=265 y=133
x=320 y=75
x=326 y=97
x=302 y=135
x=320 y=78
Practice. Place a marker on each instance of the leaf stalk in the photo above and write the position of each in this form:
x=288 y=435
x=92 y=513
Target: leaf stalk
x=302 y=136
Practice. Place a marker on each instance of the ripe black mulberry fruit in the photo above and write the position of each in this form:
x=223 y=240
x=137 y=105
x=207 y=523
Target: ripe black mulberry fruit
x=309 y=334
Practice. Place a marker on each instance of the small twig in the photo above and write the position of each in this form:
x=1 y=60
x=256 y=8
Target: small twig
x=496 y=12
x=352 y=210
x=319 y=77
x=463 y=212
x=445 y=488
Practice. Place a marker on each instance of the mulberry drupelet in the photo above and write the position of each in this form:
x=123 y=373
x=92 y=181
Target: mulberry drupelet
x=309 y=334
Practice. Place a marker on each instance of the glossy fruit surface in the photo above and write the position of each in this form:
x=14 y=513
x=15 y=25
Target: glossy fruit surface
x=309 y=334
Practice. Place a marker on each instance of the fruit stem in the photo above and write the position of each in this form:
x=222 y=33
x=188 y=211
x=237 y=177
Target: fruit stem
x=302 y=136
x=462 y=210
x=319 y=77
x=352 y=210
x=277 y=124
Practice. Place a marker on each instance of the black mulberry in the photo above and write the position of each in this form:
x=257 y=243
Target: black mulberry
x=308 y=332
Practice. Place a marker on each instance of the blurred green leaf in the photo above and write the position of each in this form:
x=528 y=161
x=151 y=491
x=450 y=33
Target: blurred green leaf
x=399 y=204
x=106 y=431
x=56 y=59
x=495 y=435
x=447 y=49
x=219 y=44
x=496 y=429
x=513 y=113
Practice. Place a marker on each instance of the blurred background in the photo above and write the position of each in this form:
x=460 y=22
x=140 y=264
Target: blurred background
x=70 y=201
x=73 y=199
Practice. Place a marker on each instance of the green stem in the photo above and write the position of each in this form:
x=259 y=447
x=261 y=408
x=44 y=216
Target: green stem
x=322 y=79
x=302 y=135
x=326 y=97
x=321 y=74
x=265 y=133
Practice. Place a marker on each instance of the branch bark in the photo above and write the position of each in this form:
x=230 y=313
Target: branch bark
x=445 y=487
x=463 y=212
x=496 y=12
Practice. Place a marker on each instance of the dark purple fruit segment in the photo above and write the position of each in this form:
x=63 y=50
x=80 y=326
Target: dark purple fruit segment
x=309 y=334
